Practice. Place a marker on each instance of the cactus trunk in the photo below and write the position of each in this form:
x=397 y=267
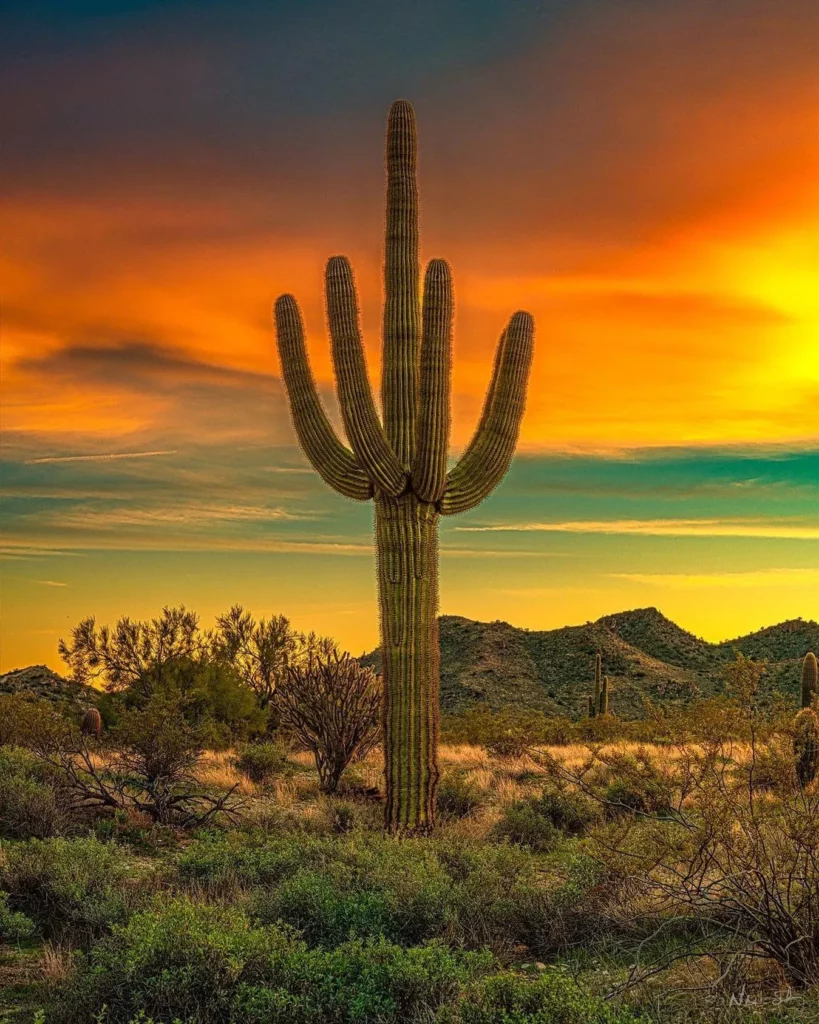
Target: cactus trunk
x=406 y=532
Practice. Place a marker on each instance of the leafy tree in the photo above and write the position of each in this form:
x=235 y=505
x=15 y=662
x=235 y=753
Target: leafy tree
x=260 y=651
x=131 y=650
x=208 y=695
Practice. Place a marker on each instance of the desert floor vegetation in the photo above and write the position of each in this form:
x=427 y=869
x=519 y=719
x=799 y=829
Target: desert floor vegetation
x=186 y=862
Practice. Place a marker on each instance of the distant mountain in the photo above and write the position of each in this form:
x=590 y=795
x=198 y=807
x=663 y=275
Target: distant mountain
x=644 y=655
x=44 y=683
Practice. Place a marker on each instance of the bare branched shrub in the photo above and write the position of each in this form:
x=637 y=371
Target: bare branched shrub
x=733 y=861
x=333 y=707
x=146 y=764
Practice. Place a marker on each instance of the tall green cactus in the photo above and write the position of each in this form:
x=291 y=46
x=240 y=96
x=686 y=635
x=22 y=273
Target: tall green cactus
x=810 y=679
x=806 y=724
x=603 y=706
x=402 y=464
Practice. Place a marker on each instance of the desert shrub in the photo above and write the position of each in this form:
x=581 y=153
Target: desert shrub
x=369 y=885
x=211 y=964
x=365 y=888
x=73 y=889
x=262 y=762
x=698 y=844
x=14 y=926
x=540 y=822
x=458 y=796
x=629 y=784
x=150 y=766
x=509 y=732
x=208 y=696
x=333 y=708
x=523 y=825
x=29 y=806
x=547 y=998
x=23 y=717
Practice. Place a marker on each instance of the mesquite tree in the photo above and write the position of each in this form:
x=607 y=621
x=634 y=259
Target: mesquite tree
x=402 y=462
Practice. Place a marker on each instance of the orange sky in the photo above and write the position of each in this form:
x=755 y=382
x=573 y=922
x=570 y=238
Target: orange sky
x=642 y=177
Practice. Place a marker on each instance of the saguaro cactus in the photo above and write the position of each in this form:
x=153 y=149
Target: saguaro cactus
x=402 y=462
x=603 y=706
x=594 y=701
x=810 y=679
x=806 y=725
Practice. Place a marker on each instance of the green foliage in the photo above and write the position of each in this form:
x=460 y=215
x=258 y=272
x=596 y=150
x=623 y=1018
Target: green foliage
x=262 y=762
x=29 y=806
x=211 y=964
x=629 y=784
x=549 y=997
x=74 y=889
x=458 y=796
x=368 y=885
x=540 y=822
x=14 y=926
x=510 y=732
x=207 y=696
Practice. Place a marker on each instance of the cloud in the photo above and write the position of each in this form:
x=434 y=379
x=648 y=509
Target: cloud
x=107 y=457
x=662 y=528
x=730 y=580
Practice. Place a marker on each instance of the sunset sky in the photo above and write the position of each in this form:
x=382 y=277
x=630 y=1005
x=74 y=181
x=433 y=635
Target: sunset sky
x=642 y=175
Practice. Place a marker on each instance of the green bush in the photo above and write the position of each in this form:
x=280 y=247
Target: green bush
x=458 y=796
x=262 y=762
x=631 y=783
x=211 y=965
x=73 y=889
x=369 y=885
x=547 y=998
x=540 y=822
x=29 y=806
x=14 y=926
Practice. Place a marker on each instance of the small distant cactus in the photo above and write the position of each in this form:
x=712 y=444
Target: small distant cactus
x=91 y=723
x=599 y=701
x=806 y=725
x=810 y=679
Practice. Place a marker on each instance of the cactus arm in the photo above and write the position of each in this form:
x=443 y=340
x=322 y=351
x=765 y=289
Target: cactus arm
x=355 y=396
x=490 y=451
x=401 y=329
x=429 y=468
x=332 y=460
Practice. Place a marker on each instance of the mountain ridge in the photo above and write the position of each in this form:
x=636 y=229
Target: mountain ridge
x=645 y=654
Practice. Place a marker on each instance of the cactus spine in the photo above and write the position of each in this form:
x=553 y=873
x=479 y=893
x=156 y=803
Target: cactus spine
x=806 y=725
x=91 y=723
x=402 y=463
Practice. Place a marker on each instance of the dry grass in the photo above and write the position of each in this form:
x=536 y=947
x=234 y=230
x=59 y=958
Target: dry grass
x=217 y=770
x=56 y=963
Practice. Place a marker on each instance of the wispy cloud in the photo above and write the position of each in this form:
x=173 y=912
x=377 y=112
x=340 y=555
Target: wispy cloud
x=106 y=457
x=753 y=578
x=661 y=528
x=50 y=583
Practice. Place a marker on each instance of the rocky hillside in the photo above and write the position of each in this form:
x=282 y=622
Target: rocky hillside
x=43 y=683
x=644 y=655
